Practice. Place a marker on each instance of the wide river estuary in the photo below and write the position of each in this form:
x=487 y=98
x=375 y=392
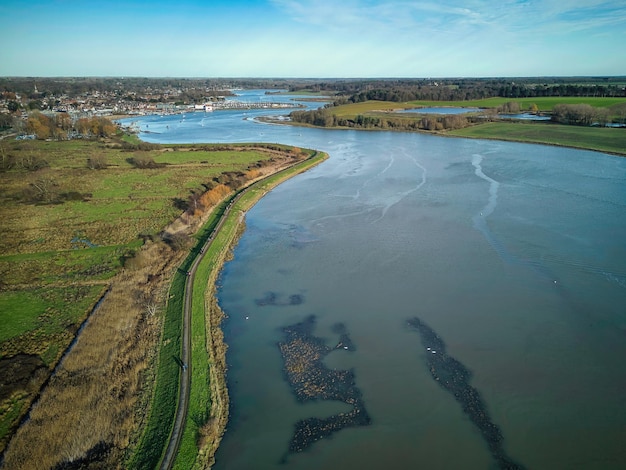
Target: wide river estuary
x=423 y=302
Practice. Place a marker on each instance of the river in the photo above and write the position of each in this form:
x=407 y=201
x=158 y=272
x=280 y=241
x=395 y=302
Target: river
x=513 y=254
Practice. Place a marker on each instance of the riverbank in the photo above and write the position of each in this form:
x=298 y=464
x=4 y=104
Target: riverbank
x=233 y=228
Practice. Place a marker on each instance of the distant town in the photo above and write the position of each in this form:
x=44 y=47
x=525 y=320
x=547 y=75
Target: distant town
x=88 y=98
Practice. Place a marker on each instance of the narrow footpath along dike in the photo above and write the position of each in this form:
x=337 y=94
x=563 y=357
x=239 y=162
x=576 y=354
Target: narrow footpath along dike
x=212 y=256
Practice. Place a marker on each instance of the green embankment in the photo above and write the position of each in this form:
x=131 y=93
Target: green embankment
x=163 y=407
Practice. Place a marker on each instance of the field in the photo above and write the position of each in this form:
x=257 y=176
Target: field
x=609 y=140
x=73 y=234
x=545 y=104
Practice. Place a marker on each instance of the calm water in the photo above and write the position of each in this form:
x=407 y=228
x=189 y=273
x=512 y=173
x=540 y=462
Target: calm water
x=514 y=254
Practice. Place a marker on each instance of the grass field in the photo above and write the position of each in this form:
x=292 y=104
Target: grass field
x=609 y=140
x=58 y=256
x=544 y=104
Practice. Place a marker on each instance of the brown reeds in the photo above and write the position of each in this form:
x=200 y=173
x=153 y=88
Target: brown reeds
x=96 y=395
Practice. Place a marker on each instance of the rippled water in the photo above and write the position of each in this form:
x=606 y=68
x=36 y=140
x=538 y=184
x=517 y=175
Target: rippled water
x=513 y=254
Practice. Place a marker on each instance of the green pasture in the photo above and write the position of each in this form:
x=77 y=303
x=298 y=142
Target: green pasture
x=19 y=312
x=544 y=103
x=86 y=239
x=64 y=266
x=42 y=320
x=604 y=139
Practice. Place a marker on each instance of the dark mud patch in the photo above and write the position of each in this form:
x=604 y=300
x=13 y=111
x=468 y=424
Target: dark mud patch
x=344 y=338
x=303 y=355
x=275 y=299
x=454 y=377
x=18 y=373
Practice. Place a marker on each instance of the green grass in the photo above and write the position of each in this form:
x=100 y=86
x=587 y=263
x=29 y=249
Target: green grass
x=72 y=265
x=10 y=412
x=353 y=109
x=19 y=312
x=543 y=103
x=594 y=138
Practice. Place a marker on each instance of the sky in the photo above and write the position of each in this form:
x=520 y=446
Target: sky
x=313 y=38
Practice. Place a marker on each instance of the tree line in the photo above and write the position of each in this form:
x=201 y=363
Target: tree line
x=324 y=118
x=476 y=90
x=580 y=114
x=61 y=126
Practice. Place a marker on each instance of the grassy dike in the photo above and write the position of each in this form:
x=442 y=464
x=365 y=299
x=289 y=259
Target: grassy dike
x=208 y=405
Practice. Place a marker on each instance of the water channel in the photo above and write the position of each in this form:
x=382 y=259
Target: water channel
x=509 y=258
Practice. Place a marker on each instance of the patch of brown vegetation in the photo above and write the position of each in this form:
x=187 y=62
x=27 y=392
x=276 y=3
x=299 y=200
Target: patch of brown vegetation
x=21 y=372
x=95 y=395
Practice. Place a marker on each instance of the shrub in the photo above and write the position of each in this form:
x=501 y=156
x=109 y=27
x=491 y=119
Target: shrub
x=97 y=162
x=143 y=162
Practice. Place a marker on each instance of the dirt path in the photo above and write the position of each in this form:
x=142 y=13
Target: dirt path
x=185 y=378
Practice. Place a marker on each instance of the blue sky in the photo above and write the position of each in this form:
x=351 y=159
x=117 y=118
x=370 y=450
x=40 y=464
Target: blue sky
x=313 y=38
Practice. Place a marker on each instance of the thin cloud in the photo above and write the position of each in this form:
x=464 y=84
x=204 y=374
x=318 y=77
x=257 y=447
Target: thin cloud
x=521 y=16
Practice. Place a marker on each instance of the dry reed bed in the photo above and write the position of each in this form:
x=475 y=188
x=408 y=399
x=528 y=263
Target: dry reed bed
x=93 y=397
